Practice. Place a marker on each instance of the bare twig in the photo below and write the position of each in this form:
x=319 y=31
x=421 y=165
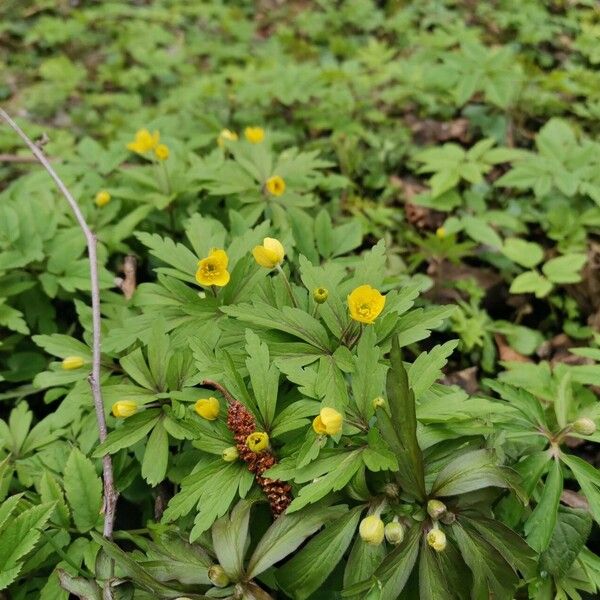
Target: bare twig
x=110 y=493
x=220 y=388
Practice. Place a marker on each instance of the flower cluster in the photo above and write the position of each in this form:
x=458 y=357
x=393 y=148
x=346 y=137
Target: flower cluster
x=145 y=142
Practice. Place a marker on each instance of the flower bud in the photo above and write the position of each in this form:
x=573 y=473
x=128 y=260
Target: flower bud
x=257 y=441
x=162 y=152
x=230 y=454
x=436 y=538
x=320 y=295
x=372 y=530
x=378 y=402
x=217 y=576
x=394 y=532
x=328 y=422
x=440 y=232
x=102 y=198
x=207 y=408
x=72 y=362
x=584 y=426
x=124 y=408
x=391 y=490
x=435 y=509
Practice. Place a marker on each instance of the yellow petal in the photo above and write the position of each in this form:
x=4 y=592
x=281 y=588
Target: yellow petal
x=265 y=257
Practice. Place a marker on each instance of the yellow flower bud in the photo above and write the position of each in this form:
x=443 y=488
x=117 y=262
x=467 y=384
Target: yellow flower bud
x=584 y=426
x=275 y=185
x=365 y=304
x=70 y=363
x=226 y=135
x=320 y=295
x=257 y=441
x=270 y=254
x=102 y=198
x=440 y=232
x=372 y=530
x=394 y=532
x=161 y=152
x=217 y=576
x=124 y=408
x=230 y=454
x=378 y=402
x=255 y=135
x=436 y=509
x=207 y=408
x=436 y=538
x=328 y=422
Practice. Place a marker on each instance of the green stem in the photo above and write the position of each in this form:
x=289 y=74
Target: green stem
x=66 y=557
x=288 y=286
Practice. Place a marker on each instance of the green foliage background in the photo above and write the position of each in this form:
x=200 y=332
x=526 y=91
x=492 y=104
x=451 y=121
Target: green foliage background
x=444 y=152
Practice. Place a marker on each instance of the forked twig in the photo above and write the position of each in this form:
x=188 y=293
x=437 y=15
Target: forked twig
x=110 y=493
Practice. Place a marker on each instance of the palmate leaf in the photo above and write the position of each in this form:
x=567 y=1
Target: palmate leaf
x=286 y=534
x=492 y=573
x=184 y=261
x=289 y=320
x=399 y=427
x=540 y=525
x=309 y=568
x=572 y=529
x=393 y=573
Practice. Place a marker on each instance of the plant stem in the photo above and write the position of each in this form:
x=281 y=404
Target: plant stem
x=110 y=493
x=288 y=286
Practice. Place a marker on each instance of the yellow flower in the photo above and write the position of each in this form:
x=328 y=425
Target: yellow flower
x=161 y=152
x=440 y=232
x=212 y=270
x=328 y=422
x=207 y=408
x=230 y=454
x=144 y=141
x=226 y=135
x=365 y=304
x=257 y=441
x=72 y=362
x=436 y=538
x=102 y=198
x=124 y=408
x=255 y=135
x=270 y=254
x=275 y=185
x=372 y=530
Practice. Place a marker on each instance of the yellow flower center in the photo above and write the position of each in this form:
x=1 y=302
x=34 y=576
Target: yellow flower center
x=364 y=310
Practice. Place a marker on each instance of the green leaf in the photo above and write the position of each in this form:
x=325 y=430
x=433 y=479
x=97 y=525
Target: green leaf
x=564 y=400
x=369 y=374
x=333 y=481
x=572 y=529
x=263 y=375
x=83 y=489
x=51 y=492
x=531 y=282
x=229 y=535
x=84 y=589
x=540 y=525
x=134 y=428
x=470 y=471
x=286 y=534
x=363 y=560
x=526 y=254
x=178 y=256
x=399 y=429
x=19 y=537
x=427 y=368
x=565 y=269
x=156 y=457
x=306 y=571
x=289 y=320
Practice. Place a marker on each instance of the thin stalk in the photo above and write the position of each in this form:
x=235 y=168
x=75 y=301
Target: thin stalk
x=110 y=493
x=288 y=286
